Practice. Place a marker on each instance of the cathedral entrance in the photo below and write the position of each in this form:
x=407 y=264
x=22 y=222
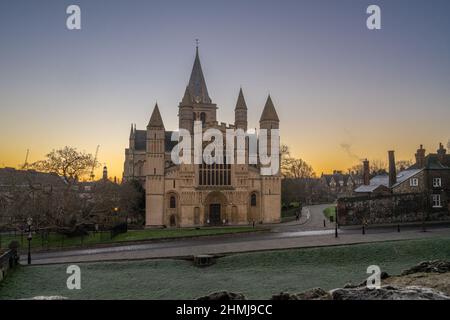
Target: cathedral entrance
x=215 y=208
x=214 y=214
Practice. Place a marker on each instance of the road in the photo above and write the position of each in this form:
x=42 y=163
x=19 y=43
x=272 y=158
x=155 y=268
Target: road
x=308 y=232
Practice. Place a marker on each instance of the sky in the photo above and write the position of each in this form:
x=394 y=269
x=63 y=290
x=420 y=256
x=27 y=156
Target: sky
x=342 y=92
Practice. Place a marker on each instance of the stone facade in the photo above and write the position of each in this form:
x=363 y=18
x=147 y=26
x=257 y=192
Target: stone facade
x=187 y=195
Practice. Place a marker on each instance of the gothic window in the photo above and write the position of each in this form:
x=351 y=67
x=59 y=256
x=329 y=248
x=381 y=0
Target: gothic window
x=214 y=175
x=173 y=202
x=253 y=200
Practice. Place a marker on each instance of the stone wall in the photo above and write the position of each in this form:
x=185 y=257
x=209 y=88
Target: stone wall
x=383 y=209
x=8 y=260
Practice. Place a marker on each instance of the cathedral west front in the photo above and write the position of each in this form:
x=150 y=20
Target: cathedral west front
x=189 y=194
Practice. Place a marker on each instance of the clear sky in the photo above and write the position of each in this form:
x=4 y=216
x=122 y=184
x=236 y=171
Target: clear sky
x=334 y=82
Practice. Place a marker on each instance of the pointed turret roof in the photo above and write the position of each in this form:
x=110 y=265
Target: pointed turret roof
x=269 y=113
x=156 y=119
x=131 y=132
x=240 y=104
x=197 y=84
x=187 y=99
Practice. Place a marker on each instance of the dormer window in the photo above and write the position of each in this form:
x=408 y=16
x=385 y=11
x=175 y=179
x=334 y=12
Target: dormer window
x=414 y=182
x=437 y=182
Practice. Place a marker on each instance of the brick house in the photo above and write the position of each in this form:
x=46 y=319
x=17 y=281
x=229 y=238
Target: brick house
x=429 y=176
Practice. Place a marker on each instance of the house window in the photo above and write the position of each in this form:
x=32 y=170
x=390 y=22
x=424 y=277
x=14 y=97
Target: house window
x=173 y=202
x=414 y=182
x=437 y=182
x=436 y=198
x=253 y=200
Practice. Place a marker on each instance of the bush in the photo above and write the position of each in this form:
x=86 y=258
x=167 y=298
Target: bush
x=14 y=245
x=119 y=228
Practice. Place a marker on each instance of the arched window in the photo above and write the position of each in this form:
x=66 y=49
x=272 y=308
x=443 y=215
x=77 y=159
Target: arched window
x=253 y=200
x=173 y=202
x=203 y=117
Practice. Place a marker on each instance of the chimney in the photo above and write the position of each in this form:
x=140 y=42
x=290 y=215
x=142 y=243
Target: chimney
x=420 y=157
x=441 y=153
x=392 y=170
x=366 y=172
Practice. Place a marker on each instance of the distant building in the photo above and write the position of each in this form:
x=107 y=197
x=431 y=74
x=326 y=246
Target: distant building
x=34 y=185
x=340 y=184
x=26 y=179
x=29 y=182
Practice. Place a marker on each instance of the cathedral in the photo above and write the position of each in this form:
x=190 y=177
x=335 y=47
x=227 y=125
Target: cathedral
x=190 y=195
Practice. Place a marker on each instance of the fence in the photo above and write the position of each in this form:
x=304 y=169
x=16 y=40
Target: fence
x=44 y=240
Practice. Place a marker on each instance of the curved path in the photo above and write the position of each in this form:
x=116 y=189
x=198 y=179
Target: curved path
x=299 y=234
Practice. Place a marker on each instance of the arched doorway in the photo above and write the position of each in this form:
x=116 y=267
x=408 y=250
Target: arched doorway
x=173 y=220
x=215 y=208
x=254 y=207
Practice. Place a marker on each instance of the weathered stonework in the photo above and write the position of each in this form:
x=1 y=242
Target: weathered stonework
x=188 y=195
x=395 y=208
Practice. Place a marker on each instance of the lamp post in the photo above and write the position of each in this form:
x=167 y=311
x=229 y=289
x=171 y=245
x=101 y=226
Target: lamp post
x=29 y=238
x=335 y=223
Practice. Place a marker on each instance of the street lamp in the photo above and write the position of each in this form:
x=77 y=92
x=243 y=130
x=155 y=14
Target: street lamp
x=29 y=238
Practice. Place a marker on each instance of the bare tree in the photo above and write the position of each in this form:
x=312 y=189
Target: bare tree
x=294 y=167
x=67 y=207
x=380 y=167
x=67 y=163
x=403 y=165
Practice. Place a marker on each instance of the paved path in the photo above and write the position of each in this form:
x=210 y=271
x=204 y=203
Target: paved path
x=312 y=219
x=290 y=235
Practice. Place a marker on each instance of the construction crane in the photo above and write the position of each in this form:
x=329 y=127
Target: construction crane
x=92 y=176
x=25 y=164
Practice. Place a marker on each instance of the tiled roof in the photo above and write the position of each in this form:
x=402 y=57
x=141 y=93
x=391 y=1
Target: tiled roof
x=11 y=176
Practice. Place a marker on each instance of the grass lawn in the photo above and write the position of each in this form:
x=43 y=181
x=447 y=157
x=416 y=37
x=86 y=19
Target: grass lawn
x=59 y=241
x=257 y=275
x=330 y=212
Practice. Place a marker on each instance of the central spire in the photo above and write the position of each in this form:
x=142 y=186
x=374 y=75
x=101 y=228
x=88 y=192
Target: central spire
x=197 y=84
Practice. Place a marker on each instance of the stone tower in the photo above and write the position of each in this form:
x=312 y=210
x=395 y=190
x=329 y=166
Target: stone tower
x=202 y=107
x=155 y=170
x=240 y=112
x=270 y=184
x=105 y=173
